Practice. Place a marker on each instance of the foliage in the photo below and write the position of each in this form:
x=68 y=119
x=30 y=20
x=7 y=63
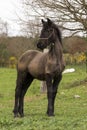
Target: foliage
x=74 y=44
x=77 y=58
x=70 y=112
x=12 y=62
x=14 y=47
x=4 y=54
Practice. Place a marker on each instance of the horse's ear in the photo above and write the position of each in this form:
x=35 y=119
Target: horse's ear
x=49 y=21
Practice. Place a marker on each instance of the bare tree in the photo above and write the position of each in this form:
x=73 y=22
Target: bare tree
x=70 y=14
x=30 y=27
x=3 y=28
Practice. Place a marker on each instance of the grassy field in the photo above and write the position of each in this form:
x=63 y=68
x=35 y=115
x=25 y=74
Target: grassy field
x=70 y=112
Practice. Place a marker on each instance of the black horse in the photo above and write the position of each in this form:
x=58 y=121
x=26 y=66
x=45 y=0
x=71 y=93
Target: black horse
x=43 y=66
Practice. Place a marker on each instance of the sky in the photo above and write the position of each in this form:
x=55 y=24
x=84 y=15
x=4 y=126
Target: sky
x=9 y=9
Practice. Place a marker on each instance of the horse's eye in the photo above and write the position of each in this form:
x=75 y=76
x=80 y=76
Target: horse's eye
x=49 y=30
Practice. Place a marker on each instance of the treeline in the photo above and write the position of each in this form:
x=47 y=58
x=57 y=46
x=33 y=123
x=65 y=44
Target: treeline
x=11 y=48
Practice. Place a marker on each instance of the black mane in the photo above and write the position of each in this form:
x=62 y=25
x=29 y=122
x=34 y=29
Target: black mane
x=58 y=32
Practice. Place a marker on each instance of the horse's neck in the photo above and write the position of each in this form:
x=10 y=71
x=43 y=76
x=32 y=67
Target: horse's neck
x=56 y=50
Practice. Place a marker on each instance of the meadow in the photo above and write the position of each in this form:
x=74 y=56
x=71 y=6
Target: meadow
x=70 y=104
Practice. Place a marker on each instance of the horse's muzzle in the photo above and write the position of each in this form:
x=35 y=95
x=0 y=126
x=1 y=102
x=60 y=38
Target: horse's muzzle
x=40 y=46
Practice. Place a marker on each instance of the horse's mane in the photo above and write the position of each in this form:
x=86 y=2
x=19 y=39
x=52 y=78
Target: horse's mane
x=58 y=32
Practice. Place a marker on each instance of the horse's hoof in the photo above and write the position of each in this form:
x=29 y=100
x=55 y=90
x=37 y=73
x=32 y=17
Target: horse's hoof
x=21 y=115
x=50 y=114
x=16 y=115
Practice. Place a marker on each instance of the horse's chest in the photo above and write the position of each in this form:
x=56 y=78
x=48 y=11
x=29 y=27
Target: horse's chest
x=51 y=66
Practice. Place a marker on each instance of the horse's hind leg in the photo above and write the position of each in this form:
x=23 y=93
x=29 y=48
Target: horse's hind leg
x=27 y=81
x=17 y=92
x=23 y=82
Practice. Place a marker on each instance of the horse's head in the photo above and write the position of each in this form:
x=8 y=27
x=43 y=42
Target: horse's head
x=47 y=36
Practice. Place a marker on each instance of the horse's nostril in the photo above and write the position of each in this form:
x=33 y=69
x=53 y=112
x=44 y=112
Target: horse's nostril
x=38 y=45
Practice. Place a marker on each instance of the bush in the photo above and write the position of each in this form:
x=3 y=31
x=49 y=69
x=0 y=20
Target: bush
x=12 y=62
x=77 y=58
x=4 y=55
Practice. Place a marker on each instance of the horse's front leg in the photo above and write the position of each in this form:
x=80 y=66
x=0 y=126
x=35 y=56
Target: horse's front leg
x=50 y=109
x=51 y=92
x=55 y=87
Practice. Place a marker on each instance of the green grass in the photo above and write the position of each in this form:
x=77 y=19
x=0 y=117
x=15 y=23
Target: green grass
x=70 y=112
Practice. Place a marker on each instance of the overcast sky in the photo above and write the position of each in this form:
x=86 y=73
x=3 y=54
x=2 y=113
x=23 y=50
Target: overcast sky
x=8 y=13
